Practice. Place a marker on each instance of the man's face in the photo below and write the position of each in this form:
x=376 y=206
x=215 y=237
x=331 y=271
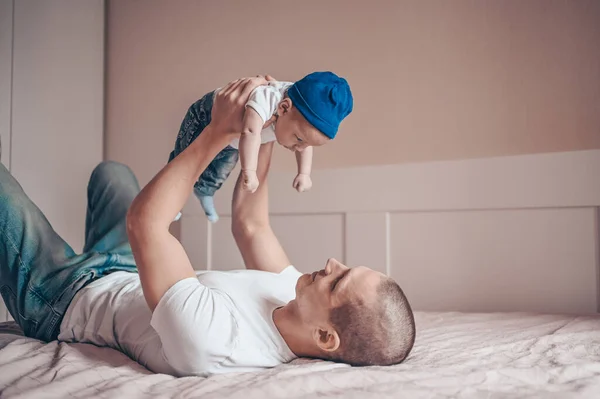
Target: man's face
x=320 y=292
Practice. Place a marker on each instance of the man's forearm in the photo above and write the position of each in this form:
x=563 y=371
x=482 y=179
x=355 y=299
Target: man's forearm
x=161 y=259
x=252 y=231
x=251 y=210
x=166 y=194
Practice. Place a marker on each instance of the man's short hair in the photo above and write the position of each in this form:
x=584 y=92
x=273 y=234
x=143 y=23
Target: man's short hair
x=381 y=333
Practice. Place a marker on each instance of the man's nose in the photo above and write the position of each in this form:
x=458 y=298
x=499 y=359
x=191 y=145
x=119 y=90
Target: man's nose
x=333 y=264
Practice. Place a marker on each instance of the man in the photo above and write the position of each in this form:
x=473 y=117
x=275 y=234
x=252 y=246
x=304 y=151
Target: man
x=170 y=318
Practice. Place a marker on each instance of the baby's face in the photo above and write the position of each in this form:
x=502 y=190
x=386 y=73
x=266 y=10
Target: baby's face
x=294 y=132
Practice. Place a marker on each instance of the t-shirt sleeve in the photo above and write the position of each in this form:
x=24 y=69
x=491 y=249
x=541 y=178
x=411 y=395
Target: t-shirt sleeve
x=264 y=100
x=195 y=326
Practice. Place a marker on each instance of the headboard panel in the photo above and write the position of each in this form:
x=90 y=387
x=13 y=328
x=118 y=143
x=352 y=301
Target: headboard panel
x=501 y=234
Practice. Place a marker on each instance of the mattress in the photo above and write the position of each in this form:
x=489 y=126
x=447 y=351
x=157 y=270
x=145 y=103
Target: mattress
x=469 y=355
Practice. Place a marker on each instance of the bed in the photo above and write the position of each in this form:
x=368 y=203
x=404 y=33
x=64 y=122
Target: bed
x=470 y=355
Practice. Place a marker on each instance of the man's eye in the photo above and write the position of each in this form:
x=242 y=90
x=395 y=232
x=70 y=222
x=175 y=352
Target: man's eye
x=298 y=138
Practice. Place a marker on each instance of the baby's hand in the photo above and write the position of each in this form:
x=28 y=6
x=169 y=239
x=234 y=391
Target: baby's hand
x=250 y=180
x=302 y=182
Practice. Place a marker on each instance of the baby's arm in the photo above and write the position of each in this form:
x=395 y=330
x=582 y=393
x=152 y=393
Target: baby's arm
x=303 y=182
x=249 y=147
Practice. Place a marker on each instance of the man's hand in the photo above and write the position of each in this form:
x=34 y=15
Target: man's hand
x=160 y=258
x=229 y=105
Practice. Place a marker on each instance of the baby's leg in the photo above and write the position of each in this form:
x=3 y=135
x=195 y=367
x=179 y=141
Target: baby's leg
x=212 y=179
x=196 y=119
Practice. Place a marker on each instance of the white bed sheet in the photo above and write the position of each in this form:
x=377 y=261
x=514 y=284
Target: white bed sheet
x=499 y=355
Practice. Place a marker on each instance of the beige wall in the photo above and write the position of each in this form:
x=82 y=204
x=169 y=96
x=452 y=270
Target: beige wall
x=6 y=17
x=57 y=106
x=432 y=80
x=51 y=104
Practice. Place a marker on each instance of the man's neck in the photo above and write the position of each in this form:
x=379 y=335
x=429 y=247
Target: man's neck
x=294 y=333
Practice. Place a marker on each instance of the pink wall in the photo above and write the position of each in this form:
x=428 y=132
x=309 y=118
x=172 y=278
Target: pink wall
x=432 y=80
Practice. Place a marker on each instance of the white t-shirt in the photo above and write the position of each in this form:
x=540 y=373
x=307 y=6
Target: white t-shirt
x=218 y=322
x=264 y=100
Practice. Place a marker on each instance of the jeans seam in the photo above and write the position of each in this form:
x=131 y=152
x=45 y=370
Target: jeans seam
x=14 y=247
x=52 y=325
x=29 y=287
x=79 y=273
x=39 y=296
x=77 y=276
x=22 y=264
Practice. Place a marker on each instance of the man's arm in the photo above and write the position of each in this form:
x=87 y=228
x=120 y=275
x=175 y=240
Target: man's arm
x=251 y=227
x=160 y=258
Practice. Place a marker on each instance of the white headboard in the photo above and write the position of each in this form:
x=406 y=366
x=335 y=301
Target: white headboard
x=502 y=234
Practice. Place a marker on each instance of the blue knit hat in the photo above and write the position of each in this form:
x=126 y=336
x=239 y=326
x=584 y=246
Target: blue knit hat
x=324 y=99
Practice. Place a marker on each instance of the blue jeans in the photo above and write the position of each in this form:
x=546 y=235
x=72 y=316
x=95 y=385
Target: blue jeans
x=39 y=272
x=196 y=119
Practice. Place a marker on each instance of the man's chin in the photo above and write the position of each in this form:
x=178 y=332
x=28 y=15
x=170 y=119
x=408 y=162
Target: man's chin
x=302 y=282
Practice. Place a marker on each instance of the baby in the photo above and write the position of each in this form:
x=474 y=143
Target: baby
x=298 y=116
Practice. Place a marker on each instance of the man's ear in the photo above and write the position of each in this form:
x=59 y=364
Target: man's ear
x=327 y=339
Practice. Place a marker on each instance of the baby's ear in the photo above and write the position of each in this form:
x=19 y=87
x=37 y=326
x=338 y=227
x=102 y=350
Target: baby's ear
x=285 y=106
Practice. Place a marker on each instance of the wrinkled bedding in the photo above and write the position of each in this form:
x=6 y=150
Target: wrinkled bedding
x=495 y=355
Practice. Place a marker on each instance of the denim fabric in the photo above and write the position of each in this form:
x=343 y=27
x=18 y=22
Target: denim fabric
x=39 y=272
x=196 y=119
